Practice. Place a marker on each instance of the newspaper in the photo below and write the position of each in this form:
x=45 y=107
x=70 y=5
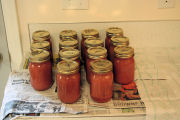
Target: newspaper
x=21 y=98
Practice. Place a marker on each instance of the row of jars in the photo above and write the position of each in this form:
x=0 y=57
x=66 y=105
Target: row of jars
x=41 y=57
x=98 y=68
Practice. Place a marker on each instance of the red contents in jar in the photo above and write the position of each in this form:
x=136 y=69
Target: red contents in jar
x=41 y=75
x=107 y=42
x=111 y=53
x=83 y=48
x=68 y=87
x=124 y=70
x=101 y=86
x=88 y=69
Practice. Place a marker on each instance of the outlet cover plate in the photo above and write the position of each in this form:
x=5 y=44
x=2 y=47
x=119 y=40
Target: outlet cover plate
x=166 y=3
x=74 y=4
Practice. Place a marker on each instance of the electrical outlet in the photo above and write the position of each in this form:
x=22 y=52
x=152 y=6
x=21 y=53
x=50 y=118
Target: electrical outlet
x=74 y=4
x=166 y=3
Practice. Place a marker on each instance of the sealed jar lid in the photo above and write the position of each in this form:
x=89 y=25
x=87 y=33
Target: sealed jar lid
x=69 y=54
x=114 y=31
x=41 y=45
x=101 y=66
x=67 y=34
x=41 y=35
x=39 y=55
x=68 y=43
x=124 y=52
x=93 y=42
x=97 y=52
x=89 y=33
x=68 y=67
x=119 y=41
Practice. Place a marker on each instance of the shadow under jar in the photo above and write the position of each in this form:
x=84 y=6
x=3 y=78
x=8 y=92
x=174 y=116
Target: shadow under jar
x=94 y=53
x=40 y=69
x=68 y=81
x=65 y=34
x=101 y=87
x=110 y=32
x=87 y=33
x=70 y=54
x=68 y=43
x=124 y=65
x=117 y=41
x=42 y=35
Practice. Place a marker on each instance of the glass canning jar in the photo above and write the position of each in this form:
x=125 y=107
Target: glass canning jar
x=117 y=41
x=87 y=33
x=70 y=54
x=68 y=81
x=124 y=65
x=92 y=43
x=68 y=43
x=42 y=35
x=101 y=87
x=94 y=53
x=40 y=69
x=42 y=45
x=110 y=32
x=68 y=34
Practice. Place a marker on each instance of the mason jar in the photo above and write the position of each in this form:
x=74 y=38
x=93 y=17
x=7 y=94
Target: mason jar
x=101 y=87
x=69 y=43
x=110 y=32
x=94 y=53
x=124 y=65
x=40 y=70
x=70 y=54
x=42 y=45
x=92 y=43
x=68 y=34
x=117 y=41
x=42 y=35
x=68 y=81
x=87 y=33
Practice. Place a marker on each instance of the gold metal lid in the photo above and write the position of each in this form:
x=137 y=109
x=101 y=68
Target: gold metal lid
x=68 y=43
x=89 y=33
x=69 y=54
x=97 y=52
x=93 y=42
x=39 y=55
x=68 y=67
x=40 y=35
x=124 y=52
x=67 y=34
x=119 y=41
x=101 y=66
x=41 y=45
x=114 y=31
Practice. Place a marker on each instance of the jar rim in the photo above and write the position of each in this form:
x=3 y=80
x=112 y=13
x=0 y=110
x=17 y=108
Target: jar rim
x=97 y=52
x=68 y=67
x=124 y=52
x=69 y=53
x=41 y=35
x=39 y=56
x=101 y=66
x=114 y=31
x=67 y=34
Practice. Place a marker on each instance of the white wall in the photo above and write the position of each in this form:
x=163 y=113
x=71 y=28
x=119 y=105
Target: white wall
x=49 y=11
